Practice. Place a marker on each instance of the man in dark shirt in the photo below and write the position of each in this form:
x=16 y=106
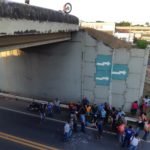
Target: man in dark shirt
x=85 y=101
x=129 y=132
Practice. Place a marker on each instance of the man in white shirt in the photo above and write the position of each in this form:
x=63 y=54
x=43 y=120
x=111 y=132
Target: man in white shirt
x=57 y=105
x=146 y=100
x=67 y=131
x=134 y=141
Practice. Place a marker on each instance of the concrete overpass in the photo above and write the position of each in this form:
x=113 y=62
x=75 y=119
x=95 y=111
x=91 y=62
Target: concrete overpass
x=67 y=70
x=24 y=26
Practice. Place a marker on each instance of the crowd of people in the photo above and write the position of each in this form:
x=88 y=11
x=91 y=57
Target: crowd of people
x=103 y=116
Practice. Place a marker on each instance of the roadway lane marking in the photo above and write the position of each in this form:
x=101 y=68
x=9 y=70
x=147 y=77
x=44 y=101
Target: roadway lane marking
x=56 y=120
x=19 y=142
x=25 y=142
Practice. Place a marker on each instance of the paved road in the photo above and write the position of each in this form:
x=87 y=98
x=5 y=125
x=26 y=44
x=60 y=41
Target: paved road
x=50 y=133
x=6 y=145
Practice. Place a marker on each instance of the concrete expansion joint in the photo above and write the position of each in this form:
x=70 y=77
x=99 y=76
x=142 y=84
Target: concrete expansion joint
x=88 y=61
x=87 y=90
x=90 y=46
x=89 y=76
x=137 y=57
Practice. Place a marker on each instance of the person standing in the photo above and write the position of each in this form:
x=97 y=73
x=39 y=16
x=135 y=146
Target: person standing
x=50 y=109
x=129 y=132
x=103 y=115
x=99 y=125
x=75 y=120
x=134 y=141
x=82 y=113
x=57 y=105
x=134 y=108
x=141 y=122
x=67 y=131
x=42 y=110
x=83 y=121
x=121 y=131
x=85 y=101
x=145 y=103
x=146 y=130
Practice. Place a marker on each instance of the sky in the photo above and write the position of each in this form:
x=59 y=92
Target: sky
x=135 y=11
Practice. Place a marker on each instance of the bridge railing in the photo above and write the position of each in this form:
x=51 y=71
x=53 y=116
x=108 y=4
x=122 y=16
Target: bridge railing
x=22 y=11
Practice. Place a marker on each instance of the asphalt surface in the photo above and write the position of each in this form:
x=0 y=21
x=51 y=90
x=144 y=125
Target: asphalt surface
x=49 y=132
x=6 y=145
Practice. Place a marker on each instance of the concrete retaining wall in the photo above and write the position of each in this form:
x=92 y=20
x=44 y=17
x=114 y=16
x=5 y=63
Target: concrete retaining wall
x=123 y=92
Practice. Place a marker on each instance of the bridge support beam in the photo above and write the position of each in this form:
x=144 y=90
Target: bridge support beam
x=23 y=41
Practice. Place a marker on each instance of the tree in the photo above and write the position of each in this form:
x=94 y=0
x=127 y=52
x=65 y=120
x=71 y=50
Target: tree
x=147 y=23
x=100 y=21
x=123 y=23
x=141 y=44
